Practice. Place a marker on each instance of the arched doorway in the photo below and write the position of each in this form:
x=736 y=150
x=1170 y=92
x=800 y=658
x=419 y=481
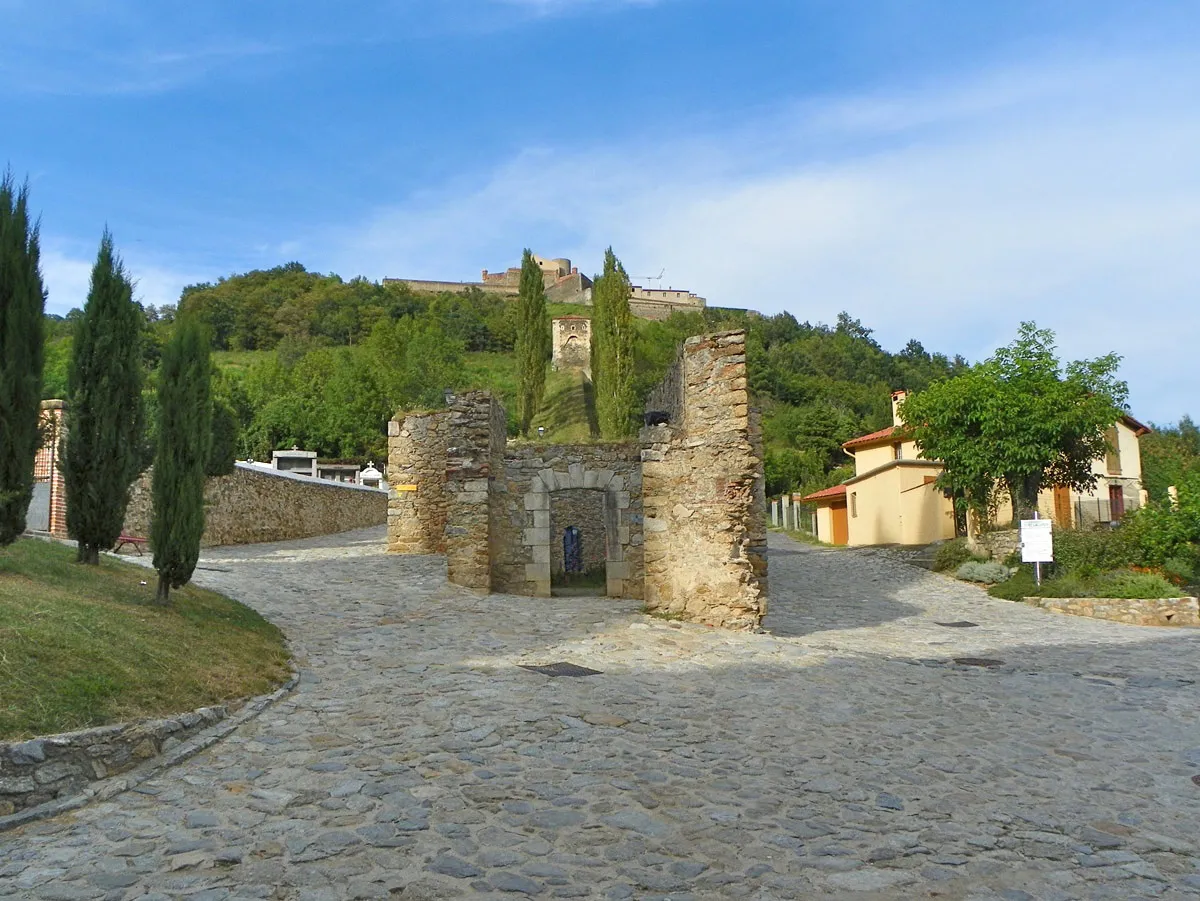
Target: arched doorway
x=579 y=541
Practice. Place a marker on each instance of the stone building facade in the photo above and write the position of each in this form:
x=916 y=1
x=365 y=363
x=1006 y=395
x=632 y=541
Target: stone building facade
x=680 y=514
x=572 y=343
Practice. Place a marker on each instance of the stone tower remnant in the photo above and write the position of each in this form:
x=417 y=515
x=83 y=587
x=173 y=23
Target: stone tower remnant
x=677 y=518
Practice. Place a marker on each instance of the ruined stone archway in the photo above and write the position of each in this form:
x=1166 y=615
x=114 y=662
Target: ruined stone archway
x=620 y=528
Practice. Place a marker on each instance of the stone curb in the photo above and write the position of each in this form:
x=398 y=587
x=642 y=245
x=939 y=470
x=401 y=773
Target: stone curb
x=103 y=789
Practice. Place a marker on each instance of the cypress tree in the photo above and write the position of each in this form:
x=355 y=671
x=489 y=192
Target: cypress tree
x=184 y=435
x=101 y=453
x=533 y=341
x=22 y=305
x=612 y=349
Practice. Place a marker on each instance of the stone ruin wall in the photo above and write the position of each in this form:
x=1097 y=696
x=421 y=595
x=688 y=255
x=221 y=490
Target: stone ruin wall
x=684 y=512
x=705 y=512
x=524 y=537
x=417 y=472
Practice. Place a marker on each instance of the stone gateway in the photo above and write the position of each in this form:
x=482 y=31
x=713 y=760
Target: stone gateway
x=677 y=519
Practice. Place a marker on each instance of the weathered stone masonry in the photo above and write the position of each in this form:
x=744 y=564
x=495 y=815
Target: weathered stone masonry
x=681 y=514
x=703 y=490
x=417 y=463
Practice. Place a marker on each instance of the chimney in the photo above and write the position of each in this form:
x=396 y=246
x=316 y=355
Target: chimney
x=897 y=400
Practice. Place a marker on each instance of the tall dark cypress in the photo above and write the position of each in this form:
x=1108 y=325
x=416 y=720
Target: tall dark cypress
x=22 y=306
x=184 y=434
x=612 y=349
x=102 y=449
x=533 y=341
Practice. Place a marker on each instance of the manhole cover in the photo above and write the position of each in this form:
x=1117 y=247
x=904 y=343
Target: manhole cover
x=960 y=624
x=561 y=669
x=977 y=661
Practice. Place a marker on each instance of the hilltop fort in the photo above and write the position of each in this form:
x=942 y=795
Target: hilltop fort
x=566 y=284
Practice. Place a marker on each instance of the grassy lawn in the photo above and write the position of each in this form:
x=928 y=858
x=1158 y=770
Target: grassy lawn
x=83 y=646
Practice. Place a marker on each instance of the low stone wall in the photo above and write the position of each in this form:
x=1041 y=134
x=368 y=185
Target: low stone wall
x=42 y=769
x=1141 y=612
x=253 y=505
x=997 y=545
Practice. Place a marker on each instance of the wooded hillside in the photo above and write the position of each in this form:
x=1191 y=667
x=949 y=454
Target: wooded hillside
x=315 y=361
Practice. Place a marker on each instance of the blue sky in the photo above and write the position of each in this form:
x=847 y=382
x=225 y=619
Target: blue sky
x=942 y=170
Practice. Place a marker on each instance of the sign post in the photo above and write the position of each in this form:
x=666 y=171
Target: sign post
x=1037 y=543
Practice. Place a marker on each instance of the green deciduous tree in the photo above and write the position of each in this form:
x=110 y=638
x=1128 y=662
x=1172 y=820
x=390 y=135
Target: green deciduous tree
x=1018 y=420
x=612 y=350
x=101 y=451
x=184 y=434
x=22 y=303
x=533 y=341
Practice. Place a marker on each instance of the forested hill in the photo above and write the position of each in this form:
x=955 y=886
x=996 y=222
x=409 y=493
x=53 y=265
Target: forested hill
x=323 y=363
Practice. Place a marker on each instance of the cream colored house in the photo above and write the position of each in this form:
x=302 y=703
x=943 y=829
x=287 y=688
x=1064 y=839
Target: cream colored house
x=892 y=497
x=1118 y=485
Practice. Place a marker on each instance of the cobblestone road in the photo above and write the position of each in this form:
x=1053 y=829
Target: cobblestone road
x=844 y=755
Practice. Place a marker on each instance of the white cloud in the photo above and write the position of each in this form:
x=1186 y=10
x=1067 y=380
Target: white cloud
x=1068 y=195
x=66 y=275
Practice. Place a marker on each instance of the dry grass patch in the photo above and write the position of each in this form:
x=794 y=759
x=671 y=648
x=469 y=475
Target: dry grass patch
x=86 y=646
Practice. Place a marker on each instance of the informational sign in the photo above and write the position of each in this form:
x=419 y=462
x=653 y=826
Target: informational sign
x=1037 y=541
x=405 y=487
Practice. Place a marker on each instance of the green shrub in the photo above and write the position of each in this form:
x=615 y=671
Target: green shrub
x=1181 y=568
x=1018 y=586
x=988 y=573
x=1126 y=584
x=952 y=555
x=1119 y=584
x=1162 y=532
x=1091 y=553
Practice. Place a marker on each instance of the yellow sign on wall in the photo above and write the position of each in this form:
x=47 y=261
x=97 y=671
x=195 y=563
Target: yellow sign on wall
x=405 y=487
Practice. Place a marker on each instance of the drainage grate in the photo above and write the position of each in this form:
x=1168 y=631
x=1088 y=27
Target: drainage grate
x=960 y=624
x=978 y=661
x=561 y=669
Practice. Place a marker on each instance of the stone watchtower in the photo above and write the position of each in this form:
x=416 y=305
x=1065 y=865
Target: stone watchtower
x=572 y=342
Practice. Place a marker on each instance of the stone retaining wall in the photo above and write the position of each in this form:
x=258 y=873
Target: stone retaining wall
x=42 y=769
x=252 y=505
x=1144 y=612
x=997 y=545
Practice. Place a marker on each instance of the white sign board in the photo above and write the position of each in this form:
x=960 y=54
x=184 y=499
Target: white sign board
x=1037 y=541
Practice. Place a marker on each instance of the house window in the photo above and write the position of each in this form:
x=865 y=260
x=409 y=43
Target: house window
x=854 y=503
x=897 y=451
x=1116 y=503
x=1112 y=456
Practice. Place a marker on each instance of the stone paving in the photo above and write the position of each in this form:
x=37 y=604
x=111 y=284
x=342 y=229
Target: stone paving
x=842 y=756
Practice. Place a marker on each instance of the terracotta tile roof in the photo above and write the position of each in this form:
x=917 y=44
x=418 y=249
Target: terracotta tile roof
x=1139 y=429
x=870 y=439
x=835 y=491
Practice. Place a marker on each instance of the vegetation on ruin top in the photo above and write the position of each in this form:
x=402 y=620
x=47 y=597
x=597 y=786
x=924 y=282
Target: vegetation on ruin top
x=87 y=646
